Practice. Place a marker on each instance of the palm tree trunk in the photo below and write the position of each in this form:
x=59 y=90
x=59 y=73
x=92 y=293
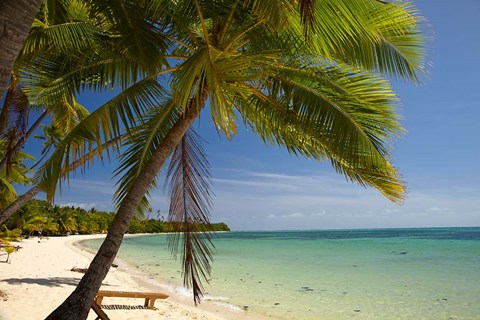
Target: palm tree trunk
x=16 y=18
x=27 y=196
x=5 y=113
x=19 y=202
x=77 y=305
x=21 y=142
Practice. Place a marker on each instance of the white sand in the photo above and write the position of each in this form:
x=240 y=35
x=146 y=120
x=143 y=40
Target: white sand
x=38 y=279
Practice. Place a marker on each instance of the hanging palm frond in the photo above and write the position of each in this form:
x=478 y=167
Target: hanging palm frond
x=189 y=180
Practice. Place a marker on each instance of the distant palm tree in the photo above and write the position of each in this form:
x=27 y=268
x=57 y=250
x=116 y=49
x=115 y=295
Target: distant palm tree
x=17 y=174
x=312 y=90
x=64 y=219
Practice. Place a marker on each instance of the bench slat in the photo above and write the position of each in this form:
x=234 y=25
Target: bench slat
x=149 y=297
x=128 y=294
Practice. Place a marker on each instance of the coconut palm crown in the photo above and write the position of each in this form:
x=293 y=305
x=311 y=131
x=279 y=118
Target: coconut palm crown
x=315 y=89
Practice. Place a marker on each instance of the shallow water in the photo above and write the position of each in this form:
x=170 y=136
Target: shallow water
x=334 y=274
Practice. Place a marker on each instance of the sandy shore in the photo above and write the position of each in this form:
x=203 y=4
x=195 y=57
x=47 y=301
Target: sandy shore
x=39 y=278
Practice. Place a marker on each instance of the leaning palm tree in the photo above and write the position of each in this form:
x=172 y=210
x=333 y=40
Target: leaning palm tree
x=16 y=19
x=60 y=35
x=70 y=40
x=315 y=93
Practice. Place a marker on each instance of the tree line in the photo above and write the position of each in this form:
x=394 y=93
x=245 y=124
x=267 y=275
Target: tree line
x=38 y=217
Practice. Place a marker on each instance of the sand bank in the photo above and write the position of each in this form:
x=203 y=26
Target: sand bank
x=39 y=278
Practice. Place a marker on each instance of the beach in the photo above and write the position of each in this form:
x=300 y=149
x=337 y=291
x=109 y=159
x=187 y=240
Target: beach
x=39 y=278
x=368 y=274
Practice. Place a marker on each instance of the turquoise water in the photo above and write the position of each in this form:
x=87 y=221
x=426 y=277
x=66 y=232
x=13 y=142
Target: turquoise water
x=341 y=274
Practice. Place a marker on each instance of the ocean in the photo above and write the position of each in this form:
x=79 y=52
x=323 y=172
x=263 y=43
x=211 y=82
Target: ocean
x=428 y=273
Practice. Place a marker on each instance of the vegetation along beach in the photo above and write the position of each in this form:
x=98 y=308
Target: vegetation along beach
x=239 y=159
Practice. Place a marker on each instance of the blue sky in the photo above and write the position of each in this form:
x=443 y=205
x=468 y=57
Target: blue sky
x=260 y=187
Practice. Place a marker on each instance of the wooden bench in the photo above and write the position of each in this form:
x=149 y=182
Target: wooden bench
x=149 y=297
x=101 y=315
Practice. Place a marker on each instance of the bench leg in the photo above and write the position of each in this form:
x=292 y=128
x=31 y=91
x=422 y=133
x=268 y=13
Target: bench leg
x=152 y=303
x=99 y=300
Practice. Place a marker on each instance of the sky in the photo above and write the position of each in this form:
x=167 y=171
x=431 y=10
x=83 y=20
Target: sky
x=259 y=187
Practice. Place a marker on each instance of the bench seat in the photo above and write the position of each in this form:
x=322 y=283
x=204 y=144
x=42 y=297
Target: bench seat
x=149 y=297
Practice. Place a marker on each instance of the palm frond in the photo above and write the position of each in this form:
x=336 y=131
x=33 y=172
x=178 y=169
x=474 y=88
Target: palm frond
x=140 y=38
x=336 y=114
x=106 y=123
x=54 y=10
x=140 y=147
x=189 y=179
x=307 y=13
x=399 y=49
x=78 y=37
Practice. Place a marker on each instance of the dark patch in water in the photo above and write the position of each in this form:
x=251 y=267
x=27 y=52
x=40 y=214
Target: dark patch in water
x=306 y=289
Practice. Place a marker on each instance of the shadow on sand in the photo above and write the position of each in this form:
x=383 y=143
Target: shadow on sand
x=49 y=282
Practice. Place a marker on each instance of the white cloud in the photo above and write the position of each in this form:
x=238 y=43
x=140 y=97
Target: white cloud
x=294 y=215
x=437 y=209
x=252 y=183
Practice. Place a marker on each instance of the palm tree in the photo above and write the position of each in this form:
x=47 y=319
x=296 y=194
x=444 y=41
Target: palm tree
x=16 y=18
x=315 y=93
x=15 y=205
x=64 y=219
x=61 y=34
x=17 y=174
x=70 y=40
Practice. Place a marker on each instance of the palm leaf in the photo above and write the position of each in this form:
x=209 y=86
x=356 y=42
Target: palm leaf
x=140 y=147
x=189 y=179
x=106 y=123
x=340 y=115
x=139 y=38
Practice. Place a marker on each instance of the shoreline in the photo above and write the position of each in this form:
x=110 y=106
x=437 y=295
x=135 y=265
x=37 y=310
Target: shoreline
x=39 y=278
x=153 y=283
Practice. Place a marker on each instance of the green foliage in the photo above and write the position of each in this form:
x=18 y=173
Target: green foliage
x=9 y=250
x=17 y=173
x=314 y=88
x=10 y=235
x=220 y=226
x=38 y=217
